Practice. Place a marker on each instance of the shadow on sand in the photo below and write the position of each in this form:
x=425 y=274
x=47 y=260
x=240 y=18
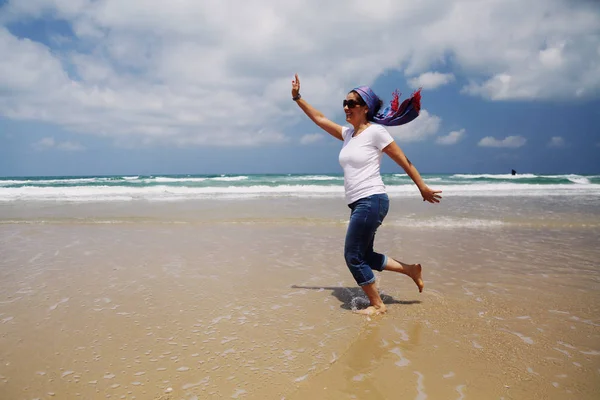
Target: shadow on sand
x=353 y=297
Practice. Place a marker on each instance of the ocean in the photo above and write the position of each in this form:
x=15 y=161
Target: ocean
x=188 y=187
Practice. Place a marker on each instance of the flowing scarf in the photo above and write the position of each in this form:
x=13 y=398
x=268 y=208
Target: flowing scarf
x=395 y=113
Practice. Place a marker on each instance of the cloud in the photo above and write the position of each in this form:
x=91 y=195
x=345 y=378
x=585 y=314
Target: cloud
x=311 y=138
x=509 y=142
x=70 y=146
x=49 y=143
x=44 y=144
x=451 y=138
x=556 y=141
x=431 y=80
x=524 y=80
x=209 y=73
x=420 y=129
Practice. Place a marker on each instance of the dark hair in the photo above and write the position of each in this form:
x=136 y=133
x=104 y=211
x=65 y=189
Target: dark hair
x=362 y=103
x=378 y=107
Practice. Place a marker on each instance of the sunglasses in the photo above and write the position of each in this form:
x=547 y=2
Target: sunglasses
x=351 y=103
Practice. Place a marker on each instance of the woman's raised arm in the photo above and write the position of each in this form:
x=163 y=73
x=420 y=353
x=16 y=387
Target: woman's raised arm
x=315 y=115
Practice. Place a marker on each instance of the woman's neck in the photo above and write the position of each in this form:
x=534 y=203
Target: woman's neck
x=358 y=128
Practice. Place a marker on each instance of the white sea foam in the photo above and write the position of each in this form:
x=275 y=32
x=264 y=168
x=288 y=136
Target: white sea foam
x=565 y=352
x=446 y=222
x=53 y=307
x=203 y=382
x=316 y=178
x=160 y=193
x=508 y=189
x=300 y=379
x=229 y=178
x=531 y=371
x=494 y=176
x=359 y=377
x=421 y=395
x=166 y=191
x=238 y=393
x=403 y=362
x=567 y=345
x=460 y=389
x=524 y=338
x=591 y=353
x=571 y=177
x=51 y=181
x=174 y=180
x=403 y=334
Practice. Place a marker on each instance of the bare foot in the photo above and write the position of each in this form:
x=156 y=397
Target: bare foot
x=415 y=274
x=372 y=310
x=412 y=270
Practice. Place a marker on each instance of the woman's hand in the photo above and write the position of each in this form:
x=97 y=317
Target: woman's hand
x=430 y=195
x=296 y=86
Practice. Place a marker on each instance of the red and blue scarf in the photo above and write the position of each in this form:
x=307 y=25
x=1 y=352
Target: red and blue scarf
x=395 y=113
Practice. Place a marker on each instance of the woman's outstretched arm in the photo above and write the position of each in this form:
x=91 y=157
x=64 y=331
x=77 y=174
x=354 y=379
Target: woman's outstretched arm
x=315 y=115
x=396 y=154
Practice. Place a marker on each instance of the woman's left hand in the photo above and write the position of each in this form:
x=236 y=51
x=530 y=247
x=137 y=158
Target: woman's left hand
x=430 y=195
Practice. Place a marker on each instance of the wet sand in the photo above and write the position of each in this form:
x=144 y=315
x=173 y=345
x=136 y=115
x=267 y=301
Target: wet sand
x=252 y=300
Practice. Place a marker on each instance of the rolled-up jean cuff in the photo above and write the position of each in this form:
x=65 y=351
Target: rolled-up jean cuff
x=384 y=263
x=372 y=280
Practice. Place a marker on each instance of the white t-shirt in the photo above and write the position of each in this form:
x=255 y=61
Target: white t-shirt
x=360 y=158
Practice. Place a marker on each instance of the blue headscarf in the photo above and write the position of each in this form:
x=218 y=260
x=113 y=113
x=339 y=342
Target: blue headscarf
x=394 y=114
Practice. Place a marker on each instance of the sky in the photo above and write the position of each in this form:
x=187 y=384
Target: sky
x=110 y=87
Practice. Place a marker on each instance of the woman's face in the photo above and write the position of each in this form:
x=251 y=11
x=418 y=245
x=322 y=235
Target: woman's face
x=355 y=112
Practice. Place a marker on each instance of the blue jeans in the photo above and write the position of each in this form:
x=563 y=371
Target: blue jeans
x=366 y=216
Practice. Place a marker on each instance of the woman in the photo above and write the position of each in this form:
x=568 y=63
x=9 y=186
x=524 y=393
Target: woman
x=360 y=159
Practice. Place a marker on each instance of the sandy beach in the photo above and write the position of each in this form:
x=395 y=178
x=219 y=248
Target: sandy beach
x=251 y=299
